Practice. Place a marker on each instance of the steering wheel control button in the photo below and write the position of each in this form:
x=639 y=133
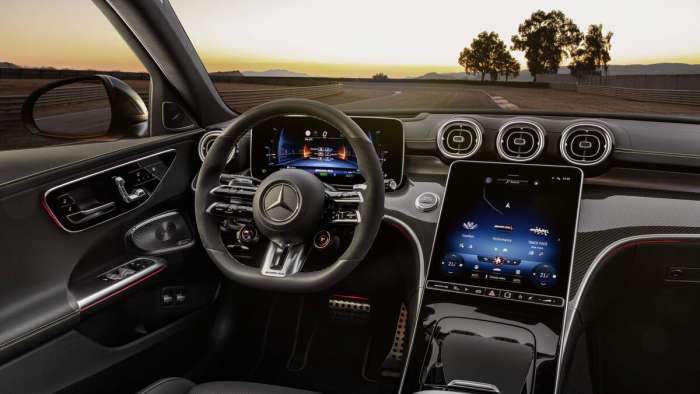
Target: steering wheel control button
x=427 y=201
x=247 y=234
x=346 y=217
x=234 y=191
x=322 y=239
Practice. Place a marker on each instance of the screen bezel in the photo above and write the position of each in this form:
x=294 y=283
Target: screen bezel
x=255 y=172
x=439 y=231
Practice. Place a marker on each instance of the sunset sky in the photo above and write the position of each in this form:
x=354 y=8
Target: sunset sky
x=338 y=38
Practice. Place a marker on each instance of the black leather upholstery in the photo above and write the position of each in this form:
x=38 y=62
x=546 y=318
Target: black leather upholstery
x=184 y=386
x=169 y=386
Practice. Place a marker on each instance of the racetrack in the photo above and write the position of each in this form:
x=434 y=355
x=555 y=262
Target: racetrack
x=409 y=95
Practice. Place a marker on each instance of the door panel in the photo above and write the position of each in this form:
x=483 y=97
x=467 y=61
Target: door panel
x=42 y=265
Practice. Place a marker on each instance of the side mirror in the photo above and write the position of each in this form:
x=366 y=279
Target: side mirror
x=86 y=107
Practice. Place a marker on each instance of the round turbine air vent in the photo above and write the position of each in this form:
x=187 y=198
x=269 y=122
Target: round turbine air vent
x=206 y=142
x=459 y=138
x=586 y=144
x=520 y=140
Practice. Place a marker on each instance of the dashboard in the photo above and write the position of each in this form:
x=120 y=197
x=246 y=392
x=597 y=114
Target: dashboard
x=313 y=145
x=493 y=203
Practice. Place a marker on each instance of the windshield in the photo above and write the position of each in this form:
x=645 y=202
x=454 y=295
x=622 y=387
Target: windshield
x=596 y=56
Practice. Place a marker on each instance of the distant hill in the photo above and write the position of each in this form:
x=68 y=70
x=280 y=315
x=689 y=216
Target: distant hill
x=233 y=73
x=8 y=65
x=274 y=73
x=459 y=75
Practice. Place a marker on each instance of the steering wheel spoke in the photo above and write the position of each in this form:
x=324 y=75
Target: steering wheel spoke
x=282 y=261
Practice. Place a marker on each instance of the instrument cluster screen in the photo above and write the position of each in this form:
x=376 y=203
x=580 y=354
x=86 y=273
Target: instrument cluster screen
x=312 y=145
x=508 y=226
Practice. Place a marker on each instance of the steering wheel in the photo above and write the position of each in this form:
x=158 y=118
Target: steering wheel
x=290 y=206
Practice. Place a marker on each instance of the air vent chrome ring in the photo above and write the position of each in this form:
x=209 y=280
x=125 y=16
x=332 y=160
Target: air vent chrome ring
x=206 y=142
x=586 y=144
x=459 y=138
x=520 y=140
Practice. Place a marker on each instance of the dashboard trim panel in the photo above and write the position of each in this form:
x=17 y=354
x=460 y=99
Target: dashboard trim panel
x=611 y=248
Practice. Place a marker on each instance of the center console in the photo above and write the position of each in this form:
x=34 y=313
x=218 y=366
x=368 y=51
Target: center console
x=494 y=304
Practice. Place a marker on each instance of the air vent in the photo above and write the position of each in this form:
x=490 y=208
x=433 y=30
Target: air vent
x=206 y=142
x=586 y=144
x=520 y=140
x=459 y=138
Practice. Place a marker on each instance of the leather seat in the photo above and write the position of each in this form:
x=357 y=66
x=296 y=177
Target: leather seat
x=184 y=386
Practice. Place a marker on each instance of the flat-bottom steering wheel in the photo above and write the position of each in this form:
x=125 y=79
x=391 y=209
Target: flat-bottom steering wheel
x=291 y=205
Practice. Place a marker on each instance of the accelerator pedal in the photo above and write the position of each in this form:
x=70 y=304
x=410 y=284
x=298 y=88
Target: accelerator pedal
x=393 y=362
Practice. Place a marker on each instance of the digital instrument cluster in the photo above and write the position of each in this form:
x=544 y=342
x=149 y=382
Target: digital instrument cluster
x=313 y=145
x=507 y=230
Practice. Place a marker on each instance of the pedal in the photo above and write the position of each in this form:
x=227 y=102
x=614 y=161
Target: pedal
x=349 y=308
x=393 y=362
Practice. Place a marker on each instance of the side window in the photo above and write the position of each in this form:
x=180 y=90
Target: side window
x=64 y=62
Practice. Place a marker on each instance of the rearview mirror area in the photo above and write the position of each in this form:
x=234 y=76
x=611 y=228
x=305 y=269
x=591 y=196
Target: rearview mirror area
x=98 y=106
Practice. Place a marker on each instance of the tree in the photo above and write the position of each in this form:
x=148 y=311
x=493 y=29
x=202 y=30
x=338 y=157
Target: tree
x=466 y=60
x=593 y=55
x=546 y=38
x=483 y=55
x=380 y=77
x=511 y=67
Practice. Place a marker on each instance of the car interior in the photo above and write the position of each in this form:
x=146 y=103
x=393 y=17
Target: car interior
x=296 y=247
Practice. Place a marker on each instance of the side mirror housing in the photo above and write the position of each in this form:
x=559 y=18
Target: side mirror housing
x=86 y=107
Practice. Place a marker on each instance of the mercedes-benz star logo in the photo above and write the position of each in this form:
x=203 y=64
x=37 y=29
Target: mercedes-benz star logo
x=281 y=202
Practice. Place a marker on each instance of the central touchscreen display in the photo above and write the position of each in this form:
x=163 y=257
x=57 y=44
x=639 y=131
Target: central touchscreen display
x=312 y=145
x=508 y=226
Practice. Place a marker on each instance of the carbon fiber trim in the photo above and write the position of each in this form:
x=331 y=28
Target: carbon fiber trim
x=590 y=244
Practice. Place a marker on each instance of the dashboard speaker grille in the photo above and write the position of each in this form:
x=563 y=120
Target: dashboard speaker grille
x=520 y=141
x=459 y=138
x=586 y=144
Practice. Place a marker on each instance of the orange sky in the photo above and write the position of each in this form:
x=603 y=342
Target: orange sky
x=327 y=37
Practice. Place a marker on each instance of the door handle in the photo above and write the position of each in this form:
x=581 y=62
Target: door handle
x=92 y=213
x=126 y=196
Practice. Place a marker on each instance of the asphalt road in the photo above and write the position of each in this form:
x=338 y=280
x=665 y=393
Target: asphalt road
x=402 y=95
x=83 y=123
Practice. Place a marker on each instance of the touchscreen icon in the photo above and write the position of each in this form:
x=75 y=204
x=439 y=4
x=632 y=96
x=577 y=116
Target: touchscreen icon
x=470 y=226
x=503 y=227
x=542 y=232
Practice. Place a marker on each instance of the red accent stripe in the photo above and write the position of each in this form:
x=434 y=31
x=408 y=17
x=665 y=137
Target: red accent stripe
x=350 y=297
x=109 y=296
x=48 y=210
x=645 y=242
